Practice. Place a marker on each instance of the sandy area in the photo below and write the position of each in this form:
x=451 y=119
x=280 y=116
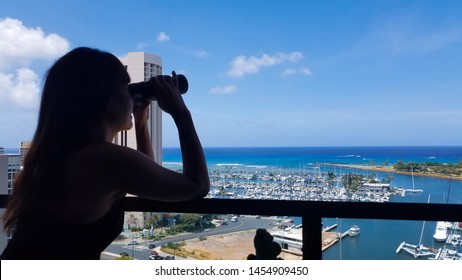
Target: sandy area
x=230 y=246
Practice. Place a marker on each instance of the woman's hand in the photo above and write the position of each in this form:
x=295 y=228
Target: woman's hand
x=168 y=95
x=141 y=112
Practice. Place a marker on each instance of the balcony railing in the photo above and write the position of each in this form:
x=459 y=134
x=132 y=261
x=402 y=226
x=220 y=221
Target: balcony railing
x=311 y=212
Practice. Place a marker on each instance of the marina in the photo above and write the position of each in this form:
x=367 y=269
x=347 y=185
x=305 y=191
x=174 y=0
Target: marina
x=295 y=185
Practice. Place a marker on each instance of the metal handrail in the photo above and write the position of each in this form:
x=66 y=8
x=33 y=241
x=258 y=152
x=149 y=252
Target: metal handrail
x=311 y=212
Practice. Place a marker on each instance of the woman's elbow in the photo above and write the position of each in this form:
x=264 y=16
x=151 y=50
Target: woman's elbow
x=203 y=189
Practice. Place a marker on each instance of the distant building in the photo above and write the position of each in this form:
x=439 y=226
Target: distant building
x=3 y=174
x=141 y=67
x=10 y=165
x=375 y=186
x=23 y=149
x=3 y=190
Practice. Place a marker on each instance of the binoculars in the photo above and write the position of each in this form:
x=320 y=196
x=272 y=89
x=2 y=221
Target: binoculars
x=143 y=91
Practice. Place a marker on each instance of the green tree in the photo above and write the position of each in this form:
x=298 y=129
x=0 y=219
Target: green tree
x=151 y=220
x=330 y=178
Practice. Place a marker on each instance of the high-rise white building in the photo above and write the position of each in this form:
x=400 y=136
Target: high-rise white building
x=142 y=66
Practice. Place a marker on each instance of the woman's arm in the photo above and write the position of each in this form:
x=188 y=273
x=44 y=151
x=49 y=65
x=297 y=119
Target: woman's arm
x=141 y=116
x=194 y=163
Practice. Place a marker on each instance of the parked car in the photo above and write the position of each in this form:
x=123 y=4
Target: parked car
x=157 y=257
x=124 y=254
x=169 y=257
x=224 y=223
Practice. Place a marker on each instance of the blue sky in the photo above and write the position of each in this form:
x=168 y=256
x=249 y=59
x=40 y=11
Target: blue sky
x=261 y=73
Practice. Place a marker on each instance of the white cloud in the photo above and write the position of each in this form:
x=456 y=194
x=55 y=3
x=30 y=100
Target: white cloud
x=21 y=89
x=162 y=37
x=407 y=42
x=305 y=71
x=294 y=71
x=141 y=45
x=21 y=45
x=243 y=65
x=223 y=90
x=202 y=54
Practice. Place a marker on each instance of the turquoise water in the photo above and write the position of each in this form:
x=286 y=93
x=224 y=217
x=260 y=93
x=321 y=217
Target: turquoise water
x=293 y=157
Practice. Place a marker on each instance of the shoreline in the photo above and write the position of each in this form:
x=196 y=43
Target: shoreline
x=390 y=169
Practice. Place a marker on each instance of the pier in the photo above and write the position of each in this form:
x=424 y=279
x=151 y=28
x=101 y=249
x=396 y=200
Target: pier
x=330 y=238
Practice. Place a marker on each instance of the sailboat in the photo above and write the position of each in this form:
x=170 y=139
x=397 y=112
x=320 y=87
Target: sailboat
x=413 y=190
x=418 y=250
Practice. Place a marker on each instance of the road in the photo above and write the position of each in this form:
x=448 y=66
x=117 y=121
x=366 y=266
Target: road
x=142 y=252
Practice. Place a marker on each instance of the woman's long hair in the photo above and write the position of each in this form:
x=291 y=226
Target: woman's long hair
x=74 y=106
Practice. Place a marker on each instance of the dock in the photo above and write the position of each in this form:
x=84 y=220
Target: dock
x=330 y=238
x=329 y=227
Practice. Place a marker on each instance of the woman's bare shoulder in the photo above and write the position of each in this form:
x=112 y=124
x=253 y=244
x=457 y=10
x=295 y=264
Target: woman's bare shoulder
x=106 y=154
x=110 y=167
x=115 y=169
x=101 y=163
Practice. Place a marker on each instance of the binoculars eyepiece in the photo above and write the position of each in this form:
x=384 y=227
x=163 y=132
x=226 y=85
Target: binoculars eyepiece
x=143 y=91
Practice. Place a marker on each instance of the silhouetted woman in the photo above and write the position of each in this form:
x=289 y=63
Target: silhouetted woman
x=67 y=201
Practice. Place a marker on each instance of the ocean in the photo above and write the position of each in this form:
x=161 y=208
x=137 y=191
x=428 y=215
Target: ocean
x=379 y=239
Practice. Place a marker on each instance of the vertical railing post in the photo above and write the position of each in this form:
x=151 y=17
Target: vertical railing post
x=312 y=236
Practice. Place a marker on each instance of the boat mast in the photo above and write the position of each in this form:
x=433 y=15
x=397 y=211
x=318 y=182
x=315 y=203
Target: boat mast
x=423 y=225
x=412 y=173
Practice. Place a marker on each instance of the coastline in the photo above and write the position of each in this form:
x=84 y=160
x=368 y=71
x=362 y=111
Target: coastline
x=390 y=169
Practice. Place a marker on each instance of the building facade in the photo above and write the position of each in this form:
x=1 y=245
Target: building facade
x=141 y=67
x=24 y=147
x=10 y=164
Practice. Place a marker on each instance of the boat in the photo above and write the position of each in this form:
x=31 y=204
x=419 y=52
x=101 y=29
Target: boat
x=354 y=230
x=441 y=231
x=413 y=190
x=290 y=240
x=417 y=251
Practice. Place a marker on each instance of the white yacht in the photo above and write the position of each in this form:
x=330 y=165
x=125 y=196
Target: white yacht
x=290 y=239
x=441 y=231
x=354 y=230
